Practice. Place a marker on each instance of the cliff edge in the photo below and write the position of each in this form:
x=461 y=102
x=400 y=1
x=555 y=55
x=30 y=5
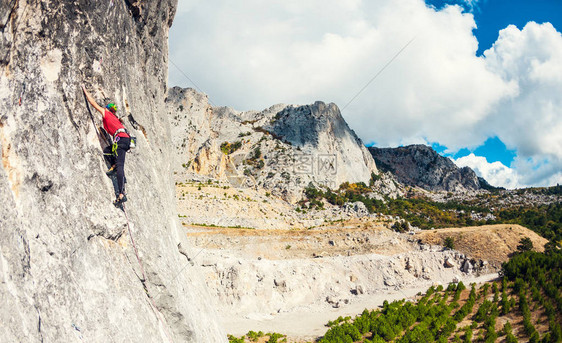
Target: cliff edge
x=68 y=269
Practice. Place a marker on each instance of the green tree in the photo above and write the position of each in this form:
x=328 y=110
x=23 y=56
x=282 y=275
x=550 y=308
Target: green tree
x=449 y=243
x=525 y=244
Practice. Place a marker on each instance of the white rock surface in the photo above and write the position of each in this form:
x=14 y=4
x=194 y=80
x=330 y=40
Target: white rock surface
x=297 y=145
x=68 y=271
x=277 y=283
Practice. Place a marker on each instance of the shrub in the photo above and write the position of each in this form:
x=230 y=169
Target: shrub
x=312 y=192
x=468 y=334
x=374 y=178
x=256 y=153
x=228 y=148
x=525 y=244
x=449 y=243
x=274 y=337
x=400 y=226
x=507 y=328
x=232 y=339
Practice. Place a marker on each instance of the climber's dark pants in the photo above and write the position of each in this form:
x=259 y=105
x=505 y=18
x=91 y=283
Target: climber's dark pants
x=118 y=159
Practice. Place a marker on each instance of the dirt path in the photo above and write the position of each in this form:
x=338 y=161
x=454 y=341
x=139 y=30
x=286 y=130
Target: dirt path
x=351 y=238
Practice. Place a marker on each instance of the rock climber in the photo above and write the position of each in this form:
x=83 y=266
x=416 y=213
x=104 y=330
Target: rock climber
x=114 y=154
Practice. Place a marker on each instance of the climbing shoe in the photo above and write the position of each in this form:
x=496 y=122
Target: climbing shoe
x=111 y=171
x=119 y=202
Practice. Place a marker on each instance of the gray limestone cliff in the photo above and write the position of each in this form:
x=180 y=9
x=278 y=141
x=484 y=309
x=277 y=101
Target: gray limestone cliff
x=68 y=268
x=420 y=165
x=282 y=149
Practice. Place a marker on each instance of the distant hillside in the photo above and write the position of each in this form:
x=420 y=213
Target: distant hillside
x=282 y=149
x=492 y=243
x=420 y=165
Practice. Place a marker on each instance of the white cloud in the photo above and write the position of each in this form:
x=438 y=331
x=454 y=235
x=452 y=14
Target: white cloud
x=472 y=4
x=495 y=173
x=531 y=119
x=251 y=54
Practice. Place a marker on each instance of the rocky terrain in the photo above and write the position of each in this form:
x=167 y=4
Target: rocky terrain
x=496 y=200
x=277 y=263
x=217 y=203
x=421 y=166
x=68 y=268
x=281 y=149
x=272 y=267
x=295 y=281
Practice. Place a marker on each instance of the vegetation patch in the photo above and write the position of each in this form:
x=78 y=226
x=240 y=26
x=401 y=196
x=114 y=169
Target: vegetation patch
x=528 y=301
x=228 y=148
x=253 y=336
x=255 y=159
x=544 y=219
x=221 y=227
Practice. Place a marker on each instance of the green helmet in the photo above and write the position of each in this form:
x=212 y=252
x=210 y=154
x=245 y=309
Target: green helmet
x=112 y=107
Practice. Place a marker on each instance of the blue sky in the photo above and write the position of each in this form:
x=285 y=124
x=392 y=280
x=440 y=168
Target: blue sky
x=491 y=16
x=493 y=149
x=481 y=81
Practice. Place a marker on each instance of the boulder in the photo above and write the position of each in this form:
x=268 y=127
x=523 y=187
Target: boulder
x=466 y=267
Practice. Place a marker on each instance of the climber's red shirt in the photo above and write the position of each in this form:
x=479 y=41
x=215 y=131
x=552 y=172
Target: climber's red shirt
x=111 y=124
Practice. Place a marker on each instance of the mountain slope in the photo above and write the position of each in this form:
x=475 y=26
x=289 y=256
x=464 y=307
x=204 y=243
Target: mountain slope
x=281 y=149
x=68 y=270
x=420 y=165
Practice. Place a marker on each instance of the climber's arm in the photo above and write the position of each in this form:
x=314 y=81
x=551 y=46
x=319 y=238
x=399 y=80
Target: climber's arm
x=93 y=102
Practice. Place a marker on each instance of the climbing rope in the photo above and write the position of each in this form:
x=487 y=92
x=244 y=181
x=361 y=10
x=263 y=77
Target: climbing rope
x=144 y=279
x=134 y=246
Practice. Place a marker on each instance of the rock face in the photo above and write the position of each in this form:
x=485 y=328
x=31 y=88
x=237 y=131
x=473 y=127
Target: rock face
x=420 y=165
x=68 y=269
x=249 y=286
x=321 y=129
x=281 y=149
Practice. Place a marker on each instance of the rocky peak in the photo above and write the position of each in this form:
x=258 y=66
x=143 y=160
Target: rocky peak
x=282 y=148
x=420 y=165
x=303 y=125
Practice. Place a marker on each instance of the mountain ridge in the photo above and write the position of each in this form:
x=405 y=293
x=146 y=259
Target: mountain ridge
x=419 y=165
x=282 y=149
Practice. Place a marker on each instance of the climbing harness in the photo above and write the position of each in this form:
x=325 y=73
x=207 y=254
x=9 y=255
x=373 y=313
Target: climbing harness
x=133 y=140
x=121 y=130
